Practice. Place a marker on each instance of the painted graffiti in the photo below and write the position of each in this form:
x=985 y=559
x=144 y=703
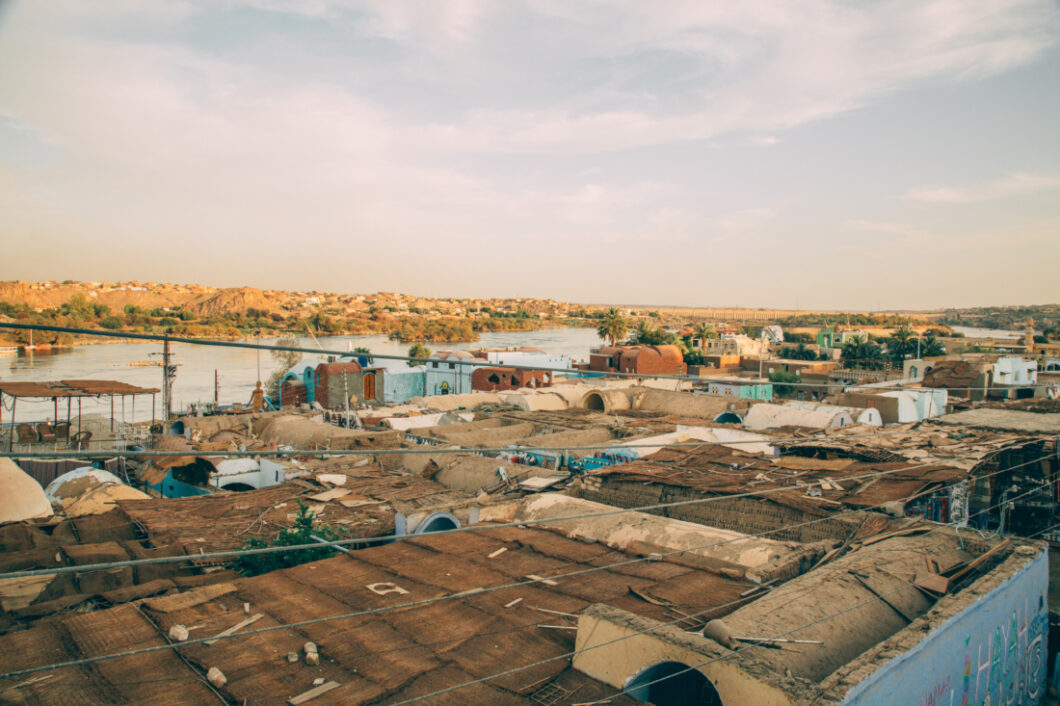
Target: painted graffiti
x=992 y=651
x=1003 y=665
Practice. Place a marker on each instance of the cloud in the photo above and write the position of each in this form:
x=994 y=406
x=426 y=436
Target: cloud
x=894 y=229
x=1014 y=185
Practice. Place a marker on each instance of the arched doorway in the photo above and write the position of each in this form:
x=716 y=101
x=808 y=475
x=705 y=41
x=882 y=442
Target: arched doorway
x=595 y=401
x=369 y=386
x=437 y=522
x=728 y=418
x=672 y=684
x=238 y=487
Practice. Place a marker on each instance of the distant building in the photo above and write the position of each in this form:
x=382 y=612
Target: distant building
x=490 y=379
x=445 y=376
x=835 y=338
x=347 y=382
x=1014 y=377
x=732 y=344
x=643 y=360
x=298 y=384
x=527 y=356
x=773 y=334
x=747 y=389
x=401 y=383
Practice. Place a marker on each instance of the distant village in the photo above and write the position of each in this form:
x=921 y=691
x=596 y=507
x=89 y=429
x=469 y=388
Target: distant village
x=724 y=507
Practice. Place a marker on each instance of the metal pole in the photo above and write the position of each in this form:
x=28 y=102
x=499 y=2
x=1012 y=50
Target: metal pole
x=152 y=409
x=79 y=423
x=11 y=439
x=167 y=392
x=112 y=415
x=216 y=385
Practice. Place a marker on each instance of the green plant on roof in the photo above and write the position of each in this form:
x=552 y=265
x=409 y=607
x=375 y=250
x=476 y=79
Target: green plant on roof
x=301 y=533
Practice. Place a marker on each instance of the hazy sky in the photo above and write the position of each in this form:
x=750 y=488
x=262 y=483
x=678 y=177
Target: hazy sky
x=866 y=154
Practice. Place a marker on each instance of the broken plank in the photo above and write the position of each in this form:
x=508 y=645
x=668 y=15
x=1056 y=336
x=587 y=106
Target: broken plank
x=238 y=626
x=327 y=495
x=313 y=693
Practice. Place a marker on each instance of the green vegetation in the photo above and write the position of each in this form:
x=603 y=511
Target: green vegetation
x=703 y=331
x=647 y=335
x=418 y=350
x=301 y=533
x=848 y=319
x=861 y=354
x=778 y=378
x=1045 y=317
x=800 y=352
x=613 y=326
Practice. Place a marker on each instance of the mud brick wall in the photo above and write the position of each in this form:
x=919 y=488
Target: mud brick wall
x=747 y=515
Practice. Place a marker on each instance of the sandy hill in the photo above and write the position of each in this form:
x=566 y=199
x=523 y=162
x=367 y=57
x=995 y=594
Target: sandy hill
x=231 y=300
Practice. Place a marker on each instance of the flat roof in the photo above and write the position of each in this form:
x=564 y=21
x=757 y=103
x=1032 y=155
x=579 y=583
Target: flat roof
x=73 y=388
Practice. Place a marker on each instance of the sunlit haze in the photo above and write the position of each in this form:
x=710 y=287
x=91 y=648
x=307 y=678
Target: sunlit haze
x=865 y=155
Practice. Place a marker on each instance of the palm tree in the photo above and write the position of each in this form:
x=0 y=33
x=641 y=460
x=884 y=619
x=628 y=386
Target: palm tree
x=859 y=352
x=931 y=347
x=901 y=342
x=613 y=326
x=703 y=331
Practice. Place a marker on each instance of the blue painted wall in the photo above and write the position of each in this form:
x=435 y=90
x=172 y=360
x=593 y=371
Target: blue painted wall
x=992 y=652
x=402 y=385
x=170 y=487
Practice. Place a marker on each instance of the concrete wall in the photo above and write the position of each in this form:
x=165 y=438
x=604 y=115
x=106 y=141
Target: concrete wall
x=993 y=651
x=400 y=386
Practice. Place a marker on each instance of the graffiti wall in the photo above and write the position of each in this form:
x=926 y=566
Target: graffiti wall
x=992 y=652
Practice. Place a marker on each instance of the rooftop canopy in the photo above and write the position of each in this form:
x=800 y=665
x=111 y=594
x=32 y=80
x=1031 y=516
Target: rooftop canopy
x=73 y=388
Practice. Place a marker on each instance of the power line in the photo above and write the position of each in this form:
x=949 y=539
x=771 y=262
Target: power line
x=463 y=594
x=338 y=353
x=641 y=632
x=468 y=528
x=431 y=450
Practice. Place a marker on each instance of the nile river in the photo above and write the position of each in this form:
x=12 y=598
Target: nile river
x=237 y=369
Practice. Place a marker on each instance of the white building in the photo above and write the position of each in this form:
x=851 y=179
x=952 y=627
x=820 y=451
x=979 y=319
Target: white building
x=1015 y=370
x=733 y=344
x=446 y=377
x=529 y=357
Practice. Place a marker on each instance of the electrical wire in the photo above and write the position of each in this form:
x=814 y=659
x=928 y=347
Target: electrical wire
x=467 y=528
x=338 y=353
x=638 y=633
x=463 y=594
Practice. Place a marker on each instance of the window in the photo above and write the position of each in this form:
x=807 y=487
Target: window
x=452 y=366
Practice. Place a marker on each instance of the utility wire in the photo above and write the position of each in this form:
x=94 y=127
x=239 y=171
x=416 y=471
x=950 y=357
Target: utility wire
x=462 y=594
x=616 y=445
x=466 y=528
x=340 y=353
x=642 y=632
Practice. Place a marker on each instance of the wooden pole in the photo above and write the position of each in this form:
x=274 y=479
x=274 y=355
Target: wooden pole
x=11 y=439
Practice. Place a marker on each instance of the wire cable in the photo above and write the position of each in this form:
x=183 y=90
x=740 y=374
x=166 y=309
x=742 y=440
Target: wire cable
x=467 y=528
x=437 y=599
x=340 y=353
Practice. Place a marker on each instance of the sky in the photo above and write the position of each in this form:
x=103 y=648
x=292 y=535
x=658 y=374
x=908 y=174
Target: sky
x=804 y=154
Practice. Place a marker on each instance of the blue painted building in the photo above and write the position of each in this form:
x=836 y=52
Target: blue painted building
x=401 y=383
x=304 y=373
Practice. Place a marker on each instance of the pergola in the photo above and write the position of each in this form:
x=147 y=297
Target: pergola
x=69 y=389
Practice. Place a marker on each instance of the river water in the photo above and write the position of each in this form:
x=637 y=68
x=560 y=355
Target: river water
x=237 y=369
